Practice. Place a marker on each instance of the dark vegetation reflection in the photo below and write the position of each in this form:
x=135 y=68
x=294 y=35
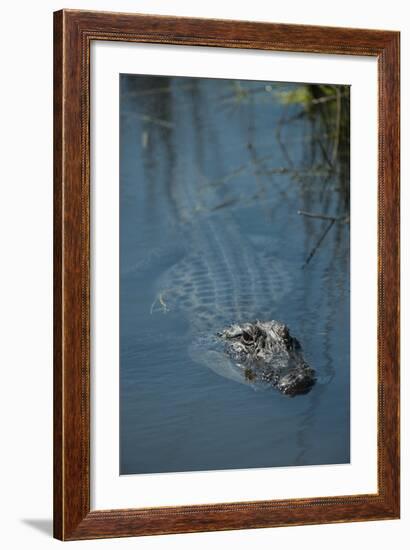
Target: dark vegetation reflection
x=220 y=171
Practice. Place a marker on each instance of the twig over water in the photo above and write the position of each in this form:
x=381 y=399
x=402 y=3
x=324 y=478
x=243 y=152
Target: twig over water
x=319 y=242
x=323 y=216
x=331 y=219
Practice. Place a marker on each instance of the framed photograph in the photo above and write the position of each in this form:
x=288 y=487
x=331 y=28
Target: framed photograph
x=226 y=275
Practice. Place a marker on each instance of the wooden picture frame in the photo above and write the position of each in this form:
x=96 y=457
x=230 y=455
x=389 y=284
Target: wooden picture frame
x=73 y=33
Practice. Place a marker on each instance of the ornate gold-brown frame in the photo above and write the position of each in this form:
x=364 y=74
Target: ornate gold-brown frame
x=73 y=33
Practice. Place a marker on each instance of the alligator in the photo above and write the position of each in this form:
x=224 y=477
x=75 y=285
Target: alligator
x=224 y=282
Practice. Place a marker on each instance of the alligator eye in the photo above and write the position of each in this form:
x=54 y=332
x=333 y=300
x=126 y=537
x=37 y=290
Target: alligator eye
x=246 y=337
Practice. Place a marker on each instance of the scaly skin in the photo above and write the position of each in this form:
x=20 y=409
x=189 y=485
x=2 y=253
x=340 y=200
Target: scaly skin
x=266 y=352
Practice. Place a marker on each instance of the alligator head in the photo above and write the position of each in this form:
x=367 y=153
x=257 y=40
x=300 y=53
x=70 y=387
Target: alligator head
x=267 y=352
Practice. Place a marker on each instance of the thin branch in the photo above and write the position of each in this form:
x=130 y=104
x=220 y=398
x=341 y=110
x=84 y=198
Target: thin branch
x=323 y=216
x=278 y=131
x=158 y=121
x=331 y=219
x=326 y=98
x=319 y=242
x=311 y=172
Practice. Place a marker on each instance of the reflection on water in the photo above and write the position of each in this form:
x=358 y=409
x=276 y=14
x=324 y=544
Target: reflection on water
x=240 y=190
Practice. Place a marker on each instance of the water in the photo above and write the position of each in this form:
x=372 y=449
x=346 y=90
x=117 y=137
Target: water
x=199 y=153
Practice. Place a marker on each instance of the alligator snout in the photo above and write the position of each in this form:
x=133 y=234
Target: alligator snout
x=298 y=382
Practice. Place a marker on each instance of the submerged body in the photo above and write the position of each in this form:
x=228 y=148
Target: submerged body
x=219 y=286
